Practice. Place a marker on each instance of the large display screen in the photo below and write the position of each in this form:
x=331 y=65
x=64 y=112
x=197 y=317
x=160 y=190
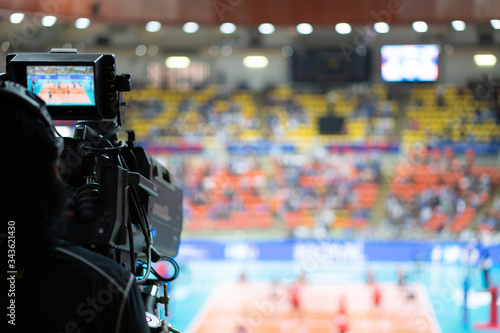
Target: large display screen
x=409 y=63
x=330 y=65
x=62 y=85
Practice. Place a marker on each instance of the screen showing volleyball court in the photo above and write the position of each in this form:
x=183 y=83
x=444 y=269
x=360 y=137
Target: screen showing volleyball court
x=60 y=85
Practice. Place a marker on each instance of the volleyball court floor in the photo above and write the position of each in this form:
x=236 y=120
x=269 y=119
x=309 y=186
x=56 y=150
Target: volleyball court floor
x=265 y=307
x=65 y=93
x=210 y=296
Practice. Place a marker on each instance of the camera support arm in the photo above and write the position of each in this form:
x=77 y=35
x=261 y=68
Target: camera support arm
x=135 y=178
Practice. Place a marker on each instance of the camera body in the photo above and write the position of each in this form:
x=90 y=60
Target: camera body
x=125 y=203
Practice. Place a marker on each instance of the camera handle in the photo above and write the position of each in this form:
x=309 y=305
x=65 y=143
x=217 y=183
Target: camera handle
x=151 y=296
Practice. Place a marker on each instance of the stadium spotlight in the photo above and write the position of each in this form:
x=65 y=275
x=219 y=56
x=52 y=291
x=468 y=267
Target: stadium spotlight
x=381 y=27
x=190 y=27
x=49 y=20
x=304 y=28
x=495 y=24
x=177 y=62
x=458 y=25
x=82 y=23
x=266 y=28
x=255 y=61
x=16 y=18
x=227 y=28
x=419 y=26
x=485 y=60
x=343 y=28
x=153 y=26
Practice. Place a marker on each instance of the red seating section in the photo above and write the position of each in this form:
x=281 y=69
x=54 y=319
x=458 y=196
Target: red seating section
x=410 y=180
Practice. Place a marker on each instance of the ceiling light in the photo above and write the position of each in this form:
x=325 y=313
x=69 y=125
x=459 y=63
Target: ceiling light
x=458 y=25
x=49 y=20
x=287 y=51
x=381 y=27
x=226 y=50
x=449 y=49
x=227 y=28
x=190 y=27
x=485 y=59
x=304 y=28
x=495 y=24
x=153 y=50
x=153 y=26
x=177 y=62
x=419 y=26
x=343 y=28
x=5 y=46
x=255 y=61
x=82 y=23
x=266 y=28
x=140 y=50
x=214 y=50
x=16 y=18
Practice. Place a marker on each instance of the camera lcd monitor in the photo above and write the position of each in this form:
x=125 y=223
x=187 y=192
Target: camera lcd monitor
x=62 y=85
x=410 y=63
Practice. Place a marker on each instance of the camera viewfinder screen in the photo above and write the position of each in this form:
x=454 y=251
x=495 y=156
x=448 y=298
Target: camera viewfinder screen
x=62 y=85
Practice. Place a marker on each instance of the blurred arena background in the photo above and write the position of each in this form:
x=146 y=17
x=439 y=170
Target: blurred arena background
x=342 y=153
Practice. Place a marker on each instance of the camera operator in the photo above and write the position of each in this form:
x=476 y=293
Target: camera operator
x=58 y=286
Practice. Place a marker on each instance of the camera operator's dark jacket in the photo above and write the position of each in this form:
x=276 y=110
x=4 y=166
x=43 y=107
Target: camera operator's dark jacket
x=71 y=289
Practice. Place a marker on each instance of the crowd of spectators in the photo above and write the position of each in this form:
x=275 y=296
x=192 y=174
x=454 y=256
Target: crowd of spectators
x=222 y=186
x=454 y=189
x=322 y=191
x=283 y=114
x=368 y=104
x=334 y=182
x=490 y=221
x=220 y=115
x=218 y=111
x=232 y=114
x=276 y=187
x=149 y=109
x=466 y=115
x=290 y=108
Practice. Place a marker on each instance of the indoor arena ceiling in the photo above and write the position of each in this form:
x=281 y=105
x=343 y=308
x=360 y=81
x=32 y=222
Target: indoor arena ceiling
x=253 y=12
x=120 y=23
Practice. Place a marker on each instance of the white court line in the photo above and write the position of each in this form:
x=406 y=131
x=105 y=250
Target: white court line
x=198 y=318
x=430 y=313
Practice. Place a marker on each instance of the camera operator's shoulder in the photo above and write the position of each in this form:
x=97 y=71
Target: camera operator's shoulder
x=94 y=264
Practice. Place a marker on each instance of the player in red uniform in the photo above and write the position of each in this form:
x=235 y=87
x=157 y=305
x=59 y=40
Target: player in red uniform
x=295 y=296
x=295 y=293
x=340 y=319
x=377 y=295
x=241 y=329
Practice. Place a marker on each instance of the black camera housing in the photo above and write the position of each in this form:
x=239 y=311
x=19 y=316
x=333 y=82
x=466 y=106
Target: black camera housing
x=125 y=201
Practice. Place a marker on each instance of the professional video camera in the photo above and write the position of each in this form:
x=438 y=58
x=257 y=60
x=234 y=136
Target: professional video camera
x=125 y=205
